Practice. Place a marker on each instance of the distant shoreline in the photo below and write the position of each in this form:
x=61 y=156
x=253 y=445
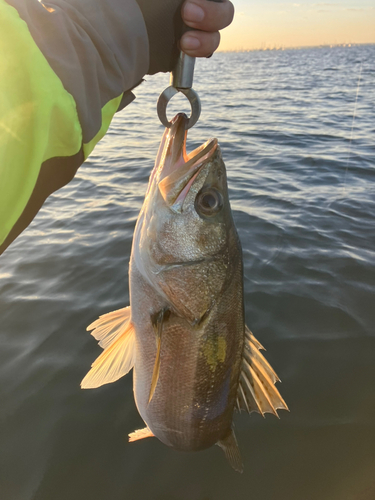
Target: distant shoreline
x=323 y=46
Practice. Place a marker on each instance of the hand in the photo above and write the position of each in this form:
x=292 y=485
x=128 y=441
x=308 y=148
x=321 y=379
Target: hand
x=164 y=23
x=207 y=17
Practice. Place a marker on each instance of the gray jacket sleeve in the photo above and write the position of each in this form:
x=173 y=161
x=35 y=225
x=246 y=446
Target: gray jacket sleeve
x=98 y=49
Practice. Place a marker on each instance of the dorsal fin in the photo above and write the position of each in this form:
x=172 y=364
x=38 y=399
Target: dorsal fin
x=231 y=450
x=115 y=333
x=256 y=391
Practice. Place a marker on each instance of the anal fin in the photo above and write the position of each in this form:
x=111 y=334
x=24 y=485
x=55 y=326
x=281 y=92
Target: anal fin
x=232 y=452
x=140 y=434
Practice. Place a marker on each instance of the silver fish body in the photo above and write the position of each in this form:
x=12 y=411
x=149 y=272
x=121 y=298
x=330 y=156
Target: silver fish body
x=194 y=359
x=195 y=275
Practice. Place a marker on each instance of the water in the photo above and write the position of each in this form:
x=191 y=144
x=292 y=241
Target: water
x=303 y=194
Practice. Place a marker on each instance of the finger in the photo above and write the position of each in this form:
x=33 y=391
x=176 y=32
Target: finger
x=207 y=16
x=199 y=43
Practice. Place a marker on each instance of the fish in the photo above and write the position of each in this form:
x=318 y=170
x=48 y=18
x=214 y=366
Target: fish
x=194 y=360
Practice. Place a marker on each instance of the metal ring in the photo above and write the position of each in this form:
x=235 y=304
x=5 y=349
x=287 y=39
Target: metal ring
x=167 y=95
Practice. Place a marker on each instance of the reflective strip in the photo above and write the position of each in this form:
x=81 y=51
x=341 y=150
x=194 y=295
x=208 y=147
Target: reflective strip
x=38 y=117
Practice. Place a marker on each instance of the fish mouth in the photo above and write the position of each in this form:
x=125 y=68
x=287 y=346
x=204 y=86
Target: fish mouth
x=178 y=169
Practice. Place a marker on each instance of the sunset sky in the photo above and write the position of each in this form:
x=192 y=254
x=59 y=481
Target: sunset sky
x=276 y=23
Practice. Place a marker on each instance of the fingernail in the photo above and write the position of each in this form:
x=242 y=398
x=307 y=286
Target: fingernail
x=193 y=13
x=190 y=42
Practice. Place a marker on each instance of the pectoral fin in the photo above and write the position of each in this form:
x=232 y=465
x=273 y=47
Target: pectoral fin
x=140 y=434
x=257 y=391
x=157 y=321
x=155 y=373
x=116 y=336
x=231 y=450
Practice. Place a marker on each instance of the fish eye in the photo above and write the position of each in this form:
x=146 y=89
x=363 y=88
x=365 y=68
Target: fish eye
x=208 y=202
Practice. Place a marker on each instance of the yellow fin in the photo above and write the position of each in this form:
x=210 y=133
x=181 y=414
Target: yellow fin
x=140 y=434
x=116 y=336
x=253 y=355
x=257 y=391
x=231 y=450
x=260 y=393
x=252 y=339
x=106 y=327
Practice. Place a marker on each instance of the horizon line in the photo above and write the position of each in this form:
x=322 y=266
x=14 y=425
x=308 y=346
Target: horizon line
x=295 y=47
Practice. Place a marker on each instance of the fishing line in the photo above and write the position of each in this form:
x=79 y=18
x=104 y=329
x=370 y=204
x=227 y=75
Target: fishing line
x=352 y=131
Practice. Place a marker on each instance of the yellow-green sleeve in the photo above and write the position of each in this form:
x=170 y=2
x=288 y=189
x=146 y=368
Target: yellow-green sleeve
x=64 y=72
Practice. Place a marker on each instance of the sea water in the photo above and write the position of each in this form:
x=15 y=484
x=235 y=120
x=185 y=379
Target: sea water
x=296 y=128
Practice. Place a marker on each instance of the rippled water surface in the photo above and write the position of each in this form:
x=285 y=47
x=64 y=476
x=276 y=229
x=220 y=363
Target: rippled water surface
x=301 y=178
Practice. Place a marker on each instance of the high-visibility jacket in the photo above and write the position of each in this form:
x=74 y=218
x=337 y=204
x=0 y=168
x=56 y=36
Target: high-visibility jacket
x=65 y=69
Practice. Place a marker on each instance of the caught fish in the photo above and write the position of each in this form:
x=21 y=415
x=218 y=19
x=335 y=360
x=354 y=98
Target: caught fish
x=184 y=334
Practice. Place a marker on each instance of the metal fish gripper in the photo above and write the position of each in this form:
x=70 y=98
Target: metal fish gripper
x=181 y=81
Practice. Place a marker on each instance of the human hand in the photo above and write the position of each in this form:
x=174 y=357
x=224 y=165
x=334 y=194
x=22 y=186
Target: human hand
x=208 y=17
x=164 y=22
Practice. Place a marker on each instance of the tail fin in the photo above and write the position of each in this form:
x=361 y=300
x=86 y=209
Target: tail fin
x=115 y=333
x=231 y=450
x=257 y=391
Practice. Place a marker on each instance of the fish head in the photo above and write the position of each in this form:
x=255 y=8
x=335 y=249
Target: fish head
x=185 y=242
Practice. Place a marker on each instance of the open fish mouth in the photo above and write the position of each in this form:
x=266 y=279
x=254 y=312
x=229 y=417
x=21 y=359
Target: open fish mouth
x=178 y=169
